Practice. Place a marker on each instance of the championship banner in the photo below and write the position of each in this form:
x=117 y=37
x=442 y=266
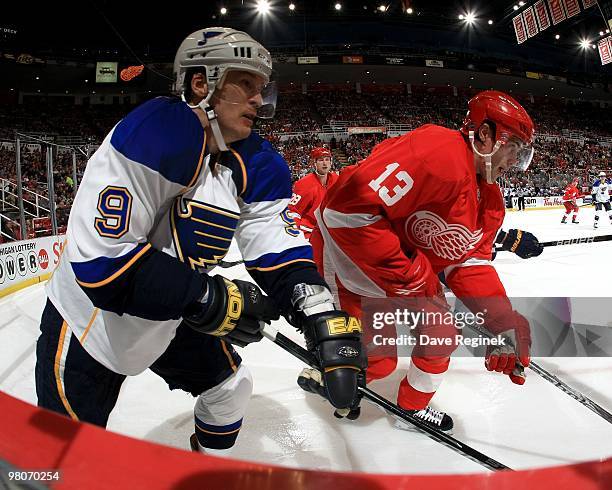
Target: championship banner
x=572 y=7
x=605 y=50
x=519 y=29
x=106 y=72
x=530 y=22
x=352 y=60
x=556 y=11
x=434 y=63
x=589 y=3
x=542 y=15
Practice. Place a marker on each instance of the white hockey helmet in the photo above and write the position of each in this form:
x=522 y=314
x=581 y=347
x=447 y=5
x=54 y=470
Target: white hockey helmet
x=219 y=50
x=602 y=174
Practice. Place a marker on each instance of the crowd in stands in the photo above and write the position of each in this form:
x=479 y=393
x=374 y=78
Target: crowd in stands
x=298 y=122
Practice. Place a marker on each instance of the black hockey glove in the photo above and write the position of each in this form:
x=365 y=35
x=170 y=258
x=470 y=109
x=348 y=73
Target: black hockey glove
x=334 y=338
x=234 y=310
x=522 y=243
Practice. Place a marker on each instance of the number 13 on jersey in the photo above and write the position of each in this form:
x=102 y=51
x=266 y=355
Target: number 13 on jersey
x=392 y=197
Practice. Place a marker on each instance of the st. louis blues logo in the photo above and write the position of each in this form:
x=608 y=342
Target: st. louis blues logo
x=427 y=230
x=202 y=233
x=207 y=35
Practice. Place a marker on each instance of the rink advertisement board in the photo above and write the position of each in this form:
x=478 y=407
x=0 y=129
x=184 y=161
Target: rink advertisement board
x=28 y=261
x=543 y=202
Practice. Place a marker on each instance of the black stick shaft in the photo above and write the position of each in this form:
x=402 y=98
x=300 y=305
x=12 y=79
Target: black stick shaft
x=374 y=398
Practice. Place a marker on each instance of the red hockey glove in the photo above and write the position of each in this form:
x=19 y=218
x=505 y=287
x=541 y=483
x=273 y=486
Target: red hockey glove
x=421 y=280
x=512 y=357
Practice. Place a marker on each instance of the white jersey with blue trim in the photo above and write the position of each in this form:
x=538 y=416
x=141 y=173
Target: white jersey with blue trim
x=152 y=185
x=601 y=189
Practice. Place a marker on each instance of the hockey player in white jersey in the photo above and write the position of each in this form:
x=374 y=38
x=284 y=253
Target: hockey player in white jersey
x=601 y=197
x=159 y=203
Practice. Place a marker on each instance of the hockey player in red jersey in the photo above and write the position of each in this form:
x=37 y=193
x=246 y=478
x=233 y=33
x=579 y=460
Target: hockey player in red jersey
x=569 y=201
x=308 y=192
x=423 y=203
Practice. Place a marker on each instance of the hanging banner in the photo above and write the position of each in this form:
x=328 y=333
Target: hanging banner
x=605 y=50
x=519 y=29
x=542 y=14
x=530 y=22
x=556 y=11
x=435 y=63
x=353 y=60
x=572 y=7
x=589 y=3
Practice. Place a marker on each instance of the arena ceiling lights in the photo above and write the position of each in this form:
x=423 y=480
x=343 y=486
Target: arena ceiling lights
x=263 y=6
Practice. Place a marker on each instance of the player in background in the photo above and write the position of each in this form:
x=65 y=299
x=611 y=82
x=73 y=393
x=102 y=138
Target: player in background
x=159 y=203
x=423 y=203
x=308 y=192
x=569 y=201
x=601 y=197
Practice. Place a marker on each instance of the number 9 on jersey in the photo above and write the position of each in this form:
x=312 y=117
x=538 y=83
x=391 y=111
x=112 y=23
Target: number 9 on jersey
x=115 y=206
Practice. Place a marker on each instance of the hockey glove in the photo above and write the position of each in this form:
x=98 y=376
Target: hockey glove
x=522 y=243
x=334 y=338
x=513 y=356
x=311 y=380
x=234 y=310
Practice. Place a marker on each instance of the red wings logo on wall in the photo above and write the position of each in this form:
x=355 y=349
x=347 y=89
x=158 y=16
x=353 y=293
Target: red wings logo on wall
x=427 y=230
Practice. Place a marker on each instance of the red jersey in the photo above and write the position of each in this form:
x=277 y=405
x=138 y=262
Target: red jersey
x=417 y=191
x=571 y=193
x=308 y=192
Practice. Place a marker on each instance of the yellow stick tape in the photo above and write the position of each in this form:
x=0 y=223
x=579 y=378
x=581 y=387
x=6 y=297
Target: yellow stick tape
x=24 y=284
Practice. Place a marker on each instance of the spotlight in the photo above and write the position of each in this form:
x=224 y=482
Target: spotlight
x=223 y=11
x=470 y=18
x=515 y=7
x=409 y=11
x=557 y=36
x=292 y=6
x=601 y=33
x=263 y=6
x=490 y=22
x=461 y=17
x=338 y=6
x=585 y=43
x=382 y=8
x=521 y=4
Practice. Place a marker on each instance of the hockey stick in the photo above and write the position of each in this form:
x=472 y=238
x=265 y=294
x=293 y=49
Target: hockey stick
x=298 y=351
x=562 y=385
x=575 y=241
x=225 y=264
x=570 y=241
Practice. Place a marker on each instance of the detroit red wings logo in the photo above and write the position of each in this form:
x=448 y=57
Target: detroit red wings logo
x=427 y=230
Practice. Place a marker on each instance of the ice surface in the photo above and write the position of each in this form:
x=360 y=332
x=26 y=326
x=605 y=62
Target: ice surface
x=523 y=427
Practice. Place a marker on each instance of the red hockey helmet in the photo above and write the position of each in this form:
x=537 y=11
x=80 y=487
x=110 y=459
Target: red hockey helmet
x=319 y=152
x=509 y=117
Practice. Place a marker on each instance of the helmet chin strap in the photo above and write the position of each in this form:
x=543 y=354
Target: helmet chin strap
x=211 y=115
x=486 y=156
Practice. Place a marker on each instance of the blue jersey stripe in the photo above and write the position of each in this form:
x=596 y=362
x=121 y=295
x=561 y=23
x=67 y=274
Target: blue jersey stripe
x=273 y=259
x=101 y=268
